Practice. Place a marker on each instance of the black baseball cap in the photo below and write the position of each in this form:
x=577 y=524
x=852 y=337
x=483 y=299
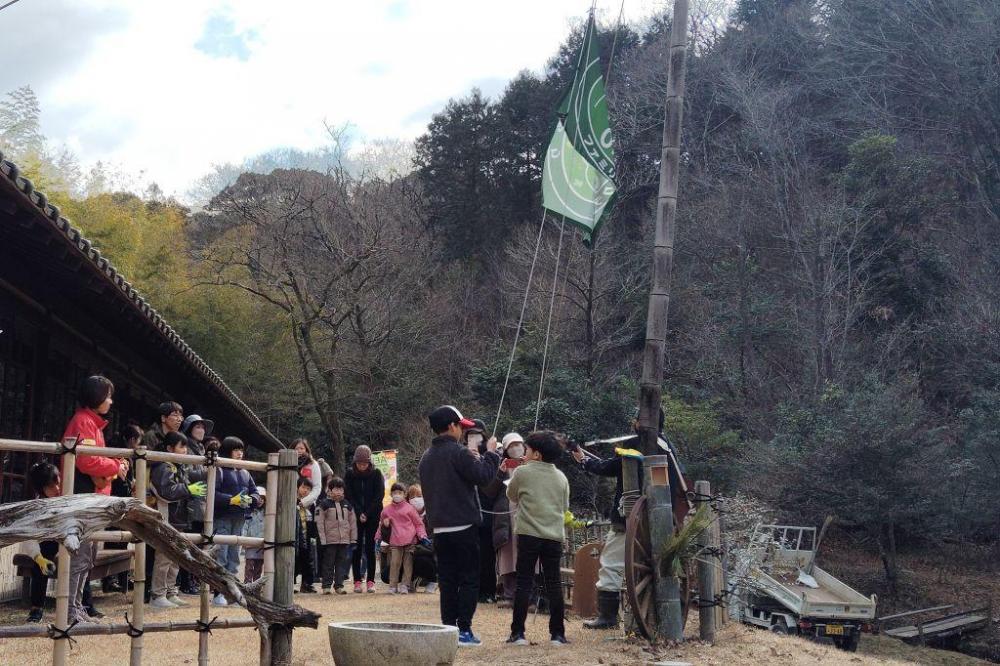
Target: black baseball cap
x=445 y=415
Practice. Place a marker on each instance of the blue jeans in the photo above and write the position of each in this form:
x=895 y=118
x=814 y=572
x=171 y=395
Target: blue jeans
x=229 y=556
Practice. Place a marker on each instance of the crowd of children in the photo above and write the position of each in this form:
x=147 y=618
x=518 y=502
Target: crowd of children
x=430 y=534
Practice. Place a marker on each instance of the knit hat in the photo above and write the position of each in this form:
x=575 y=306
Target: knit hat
x=362 y=454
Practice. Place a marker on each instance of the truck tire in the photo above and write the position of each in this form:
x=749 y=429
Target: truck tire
x=780 y=627
x=848 y=643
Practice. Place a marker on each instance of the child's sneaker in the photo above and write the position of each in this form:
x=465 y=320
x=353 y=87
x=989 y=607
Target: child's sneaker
x=559 y=640
x=219 y=600
x=431 y=588
x=162 y=603
x=468 y=639
x=371 y=586
x=340 y=590
x=177 y=601
x=404 y=589
x=517 y=639
x=393 y=589
x=35 y=615
x=357 y=587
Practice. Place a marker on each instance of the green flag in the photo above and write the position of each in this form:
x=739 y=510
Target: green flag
x=578 y=177
x=584 y=109
x=573 y=188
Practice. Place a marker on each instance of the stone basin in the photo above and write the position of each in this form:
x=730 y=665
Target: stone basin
x=363 y=643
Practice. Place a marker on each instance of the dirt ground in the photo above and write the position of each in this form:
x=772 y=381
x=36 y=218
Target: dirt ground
x=239 y=647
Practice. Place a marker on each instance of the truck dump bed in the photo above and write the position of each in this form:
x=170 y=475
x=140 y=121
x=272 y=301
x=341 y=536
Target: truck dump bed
x=775 y=569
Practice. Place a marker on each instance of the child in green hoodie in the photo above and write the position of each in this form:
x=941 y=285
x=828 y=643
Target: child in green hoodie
x=542 y=495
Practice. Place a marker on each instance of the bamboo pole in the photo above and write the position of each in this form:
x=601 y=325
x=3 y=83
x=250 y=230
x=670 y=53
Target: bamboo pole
x=671 y=626
x=60 y=648
x=284 y=557
x=707 y=563
x=205 y=597
x=52 y=448
x=270 y=510
x=97 y=629
x=120 y=536
x=663 y=243
x=139 y=575
x=267 y=569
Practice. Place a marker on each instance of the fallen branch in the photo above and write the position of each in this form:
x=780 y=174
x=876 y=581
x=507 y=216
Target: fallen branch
x=73 y=518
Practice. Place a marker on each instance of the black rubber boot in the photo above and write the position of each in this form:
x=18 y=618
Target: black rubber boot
x=607 y=611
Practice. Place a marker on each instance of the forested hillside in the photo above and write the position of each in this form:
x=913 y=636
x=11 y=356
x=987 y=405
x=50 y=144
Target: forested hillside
x=834 y=331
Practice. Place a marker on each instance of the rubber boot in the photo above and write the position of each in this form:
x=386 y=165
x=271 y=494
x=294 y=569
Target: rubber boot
x=607 y=611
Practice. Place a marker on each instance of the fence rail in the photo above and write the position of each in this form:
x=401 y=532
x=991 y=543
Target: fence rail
x=275 y=506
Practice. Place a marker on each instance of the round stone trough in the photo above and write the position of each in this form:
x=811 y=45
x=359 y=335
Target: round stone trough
x=363 y=643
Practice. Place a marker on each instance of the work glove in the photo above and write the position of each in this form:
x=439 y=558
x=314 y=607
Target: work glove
x=197 y=489
x=241 y=500
x=47 y=566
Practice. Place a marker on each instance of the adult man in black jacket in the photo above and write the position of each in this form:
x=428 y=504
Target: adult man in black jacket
x=449 y=476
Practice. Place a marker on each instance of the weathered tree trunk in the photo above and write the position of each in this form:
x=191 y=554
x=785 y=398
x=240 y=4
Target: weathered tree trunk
x=887 y=553
x=72 y=518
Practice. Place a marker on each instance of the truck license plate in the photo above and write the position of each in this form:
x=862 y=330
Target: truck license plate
x=834 y=630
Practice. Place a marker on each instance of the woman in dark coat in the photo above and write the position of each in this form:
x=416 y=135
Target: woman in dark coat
x=365 y=488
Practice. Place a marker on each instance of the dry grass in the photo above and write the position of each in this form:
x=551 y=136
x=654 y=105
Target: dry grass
x=238 y=647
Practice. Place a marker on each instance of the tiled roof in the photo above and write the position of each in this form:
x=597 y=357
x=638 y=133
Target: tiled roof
x=50 y=212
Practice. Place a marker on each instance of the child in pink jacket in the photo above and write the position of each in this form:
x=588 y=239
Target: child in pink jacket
x=406 y=530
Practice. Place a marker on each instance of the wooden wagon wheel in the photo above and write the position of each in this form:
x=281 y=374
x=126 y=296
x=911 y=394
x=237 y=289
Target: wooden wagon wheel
x=639 y=565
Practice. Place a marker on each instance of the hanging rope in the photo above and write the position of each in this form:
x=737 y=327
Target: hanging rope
x=548 y=327
x=520 y=321
x=614 y=43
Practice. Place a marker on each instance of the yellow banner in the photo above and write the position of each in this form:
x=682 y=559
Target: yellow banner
x=385 y=462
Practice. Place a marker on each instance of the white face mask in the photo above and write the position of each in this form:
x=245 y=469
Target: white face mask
x=398 y=497
x=475 y=440
x=515 y=451
x=417 y=503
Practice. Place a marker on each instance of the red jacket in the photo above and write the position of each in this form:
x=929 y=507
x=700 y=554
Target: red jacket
x=94 y=473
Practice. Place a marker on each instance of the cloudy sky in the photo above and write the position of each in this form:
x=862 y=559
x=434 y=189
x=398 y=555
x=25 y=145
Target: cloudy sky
x=171 y=87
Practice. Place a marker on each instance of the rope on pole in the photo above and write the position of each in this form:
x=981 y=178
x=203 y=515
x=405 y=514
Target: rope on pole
x=520 y=321
x=548 y=327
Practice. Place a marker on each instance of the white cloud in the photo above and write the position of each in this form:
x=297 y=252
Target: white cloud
x=146 y=97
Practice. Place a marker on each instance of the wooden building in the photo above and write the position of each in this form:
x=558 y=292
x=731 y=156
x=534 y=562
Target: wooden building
x=66 y=313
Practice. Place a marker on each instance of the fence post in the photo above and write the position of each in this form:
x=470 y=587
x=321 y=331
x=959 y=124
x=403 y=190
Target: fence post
x=207 y=530
x=707 y=561
x=61 y=647
x=659 y=512
x=284 y=554
x=139 y=575
x=267 y=570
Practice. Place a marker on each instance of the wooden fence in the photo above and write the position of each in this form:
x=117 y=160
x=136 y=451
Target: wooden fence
x=279 y=520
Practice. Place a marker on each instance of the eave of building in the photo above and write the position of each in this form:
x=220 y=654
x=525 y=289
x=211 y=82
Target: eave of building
x=18 y=190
